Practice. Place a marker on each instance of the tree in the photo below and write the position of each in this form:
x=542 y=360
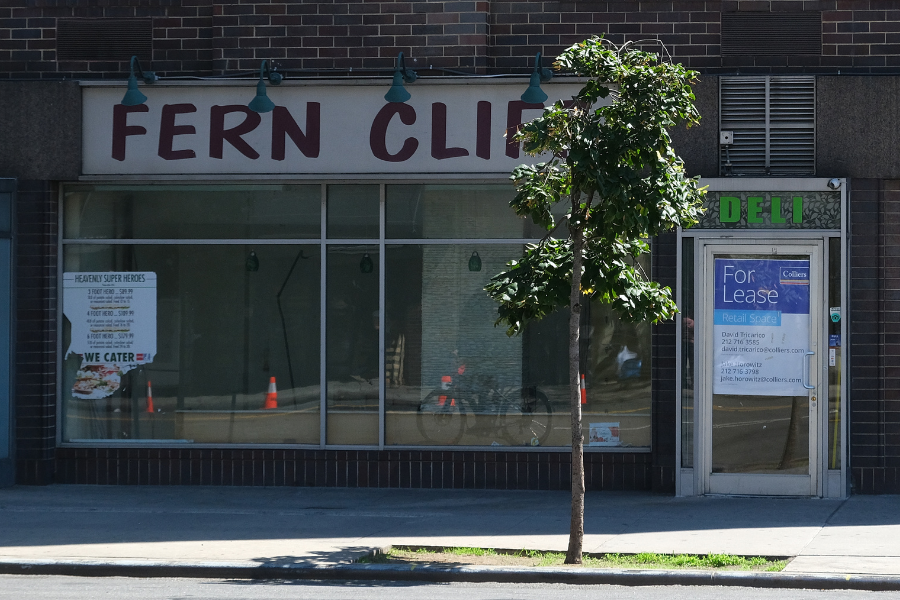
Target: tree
x=613 y=167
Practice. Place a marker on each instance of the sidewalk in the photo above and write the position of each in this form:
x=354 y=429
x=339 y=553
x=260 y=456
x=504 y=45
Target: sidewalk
x=197 y=528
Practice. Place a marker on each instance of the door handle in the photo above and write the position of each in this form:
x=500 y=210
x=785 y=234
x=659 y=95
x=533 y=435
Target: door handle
x=806 y=382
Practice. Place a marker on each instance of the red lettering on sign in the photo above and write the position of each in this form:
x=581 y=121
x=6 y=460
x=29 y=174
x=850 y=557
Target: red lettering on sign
x=439 y=149
x=121 y=128
x=218 y=134
x=168 y=130
x=513 y=121
x=378 y=134
x=483 y=131
x=284 y=125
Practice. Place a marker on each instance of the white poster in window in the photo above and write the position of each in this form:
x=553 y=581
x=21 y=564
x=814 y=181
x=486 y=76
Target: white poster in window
x=604 y=434
x=113 y=319
x=760 y=327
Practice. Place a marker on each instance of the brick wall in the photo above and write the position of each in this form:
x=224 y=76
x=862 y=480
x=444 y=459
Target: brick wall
x=212 y=37
x=350 y=468
x=664 y=407
x=875 y=336
x=35 y=314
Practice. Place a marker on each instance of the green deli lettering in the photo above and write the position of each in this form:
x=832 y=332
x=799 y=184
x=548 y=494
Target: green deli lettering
x=798 y=209
x=754 y=208
x=729 y=209
x=776 y=210
x=749 y=209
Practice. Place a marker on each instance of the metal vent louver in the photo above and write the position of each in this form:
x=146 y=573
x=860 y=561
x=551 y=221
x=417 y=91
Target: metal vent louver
x=771 y=33
x=104 y=39
x=774 y=123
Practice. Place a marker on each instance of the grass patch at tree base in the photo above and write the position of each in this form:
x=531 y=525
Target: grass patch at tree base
x=458 y=556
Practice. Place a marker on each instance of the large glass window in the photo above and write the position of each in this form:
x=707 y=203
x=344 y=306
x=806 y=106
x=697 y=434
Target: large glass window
x=193 y=212
x=454 y=211
x=451 y=376
x=352 y=345
x=275 y=323
x=230 y=320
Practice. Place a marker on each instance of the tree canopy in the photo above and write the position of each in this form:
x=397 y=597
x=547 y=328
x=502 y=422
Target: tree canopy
x=614 y=166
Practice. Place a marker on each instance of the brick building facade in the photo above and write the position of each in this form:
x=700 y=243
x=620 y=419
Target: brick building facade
x=850 y=47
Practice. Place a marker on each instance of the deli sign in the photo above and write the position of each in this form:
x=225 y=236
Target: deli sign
x=314 y=129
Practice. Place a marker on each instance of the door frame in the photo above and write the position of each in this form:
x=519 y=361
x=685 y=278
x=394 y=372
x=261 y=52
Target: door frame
x=758 y=484
x=831 y=483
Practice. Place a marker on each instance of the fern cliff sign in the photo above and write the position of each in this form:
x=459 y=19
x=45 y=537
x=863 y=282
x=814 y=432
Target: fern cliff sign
x=315 y=129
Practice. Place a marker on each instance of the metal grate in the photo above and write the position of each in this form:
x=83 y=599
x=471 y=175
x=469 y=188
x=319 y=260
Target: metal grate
x=765 y=33
x=774 y=123
x=104 y=39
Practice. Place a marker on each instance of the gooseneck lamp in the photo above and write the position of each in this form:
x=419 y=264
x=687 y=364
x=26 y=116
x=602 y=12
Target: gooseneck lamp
x=534 y=94
x=261 y=102
x=398 y=93
x=133 y=95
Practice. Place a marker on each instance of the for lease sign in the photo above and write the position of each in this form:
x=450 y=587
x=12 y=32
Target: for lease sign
x=760 y=326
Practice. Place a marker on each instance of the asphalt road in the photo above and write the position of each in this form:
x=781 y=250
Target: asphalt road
x=26 y=587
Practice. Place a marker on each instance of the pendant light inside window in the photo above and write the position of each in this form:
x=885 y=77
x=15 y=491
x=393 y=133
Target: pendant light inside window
x=475 y=262
x=252 y=263
x=366 y=265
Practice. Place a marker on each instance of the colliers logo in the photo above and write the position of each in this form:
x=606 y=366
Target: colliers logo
x=794 y=276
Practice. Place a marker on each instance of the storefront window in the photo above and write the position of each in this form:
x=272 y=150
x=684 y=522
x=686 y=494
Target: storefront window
x=192 y=212
x=191 y=314
x=687 y=352
x=617 y=378
x=451 y=376
x=229 y=320
x=835 y=347
x=353 y=211
x=352 y=345
x=455 y=212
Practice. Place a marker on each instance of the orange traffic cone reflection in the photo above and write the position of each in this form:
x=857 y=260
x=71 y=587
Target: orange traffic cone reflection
x=150 y=397
x=583 y=390
x=271 y=395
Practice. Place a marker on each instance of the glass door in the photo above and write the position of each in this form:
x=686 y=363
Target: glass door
x=761 y=307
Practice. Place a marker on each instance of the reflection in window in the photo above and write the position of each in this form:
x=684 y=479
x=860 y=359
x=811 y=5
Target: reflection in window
x=225 y=328
x=687 y=352
x=193 y=212
x=353 y=211
x=617 y=378
x=453 y=378
x=231 y=317
x=352 y=345
x=454 y=211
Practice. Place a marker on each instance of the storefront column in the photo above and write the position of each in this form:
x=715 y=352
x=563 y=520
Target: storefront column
x=35 y=310
x=7 y=466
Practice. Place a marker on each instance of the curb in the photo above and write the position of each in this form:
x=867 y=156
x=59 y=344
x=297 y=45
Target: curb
x=441 y=574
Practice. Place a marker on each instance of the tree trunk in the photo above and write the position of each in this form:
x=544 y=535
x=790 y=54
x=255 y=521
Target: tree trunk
x=576 y=527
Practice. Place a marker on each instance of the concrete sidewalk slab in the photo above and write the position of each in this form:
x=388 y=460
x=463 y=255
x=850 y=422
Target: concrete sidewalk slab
x=325 y=527
x=846 y=564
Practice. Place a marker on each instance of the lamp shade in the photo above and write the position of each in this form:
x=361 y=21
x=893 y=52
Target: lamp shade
x=397 y=93
x=534 y=94
x=133 y=95
x=261 y=102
